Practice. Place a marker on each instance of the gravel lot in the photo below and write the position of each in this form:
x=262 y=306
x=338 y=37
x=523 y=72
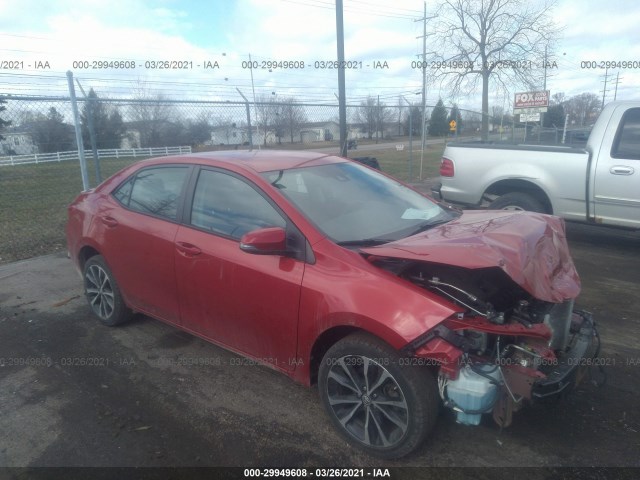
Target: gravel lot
x=75 y=393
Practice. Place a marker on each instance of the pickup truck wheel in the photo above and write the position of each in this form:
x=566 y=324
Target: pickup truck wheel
x=379 y=403
x=517 y=201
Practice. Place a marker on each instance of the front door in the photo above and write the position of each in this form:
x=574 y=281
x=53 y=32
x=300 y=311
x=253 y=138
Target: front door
x=617 y=176
x=246 y=302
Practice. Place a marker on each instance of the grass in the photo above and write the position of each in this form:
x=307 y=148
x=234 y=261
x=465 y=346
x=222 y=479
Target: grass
x=34 y=198
x=33 y=204
x=397 y=163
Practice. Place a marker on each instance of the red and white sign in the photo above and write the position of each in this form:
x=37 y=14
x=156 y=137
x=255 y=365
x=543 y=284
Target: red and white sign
x=531 y=99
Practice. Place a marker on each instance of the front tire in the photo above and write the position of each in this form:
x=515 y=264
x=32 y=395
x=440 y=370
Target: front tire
x=103 y=294
x=517 y=201
x=376 y=401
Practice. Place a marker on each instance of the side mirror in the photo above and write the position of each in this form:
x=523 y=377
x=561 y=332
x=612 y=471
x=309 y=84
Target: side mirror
x=265 y=241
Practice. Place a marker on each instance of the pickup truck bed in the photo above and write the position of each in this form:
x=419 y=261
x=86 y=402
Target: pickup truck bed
x=599 y=184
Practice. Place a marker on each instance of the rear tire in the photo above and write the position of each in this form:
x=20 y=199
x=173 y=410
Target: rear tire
x=517 y=201
x=377 y=402
x=103 y=294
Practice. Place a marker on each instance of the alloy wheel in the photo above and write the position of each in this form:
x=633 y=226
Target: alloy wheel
x=367 y=401
x=99 y=291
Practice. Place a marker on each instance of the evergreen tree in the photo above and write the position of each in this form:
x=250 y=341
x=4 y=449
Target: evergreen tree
x=439 y=125
x=416 y=120
x=107 y=123
x=51 y=133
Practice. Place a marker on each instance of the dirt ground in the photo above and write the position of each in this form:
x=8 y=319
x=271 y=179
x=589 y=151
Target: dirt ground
x=75 y=393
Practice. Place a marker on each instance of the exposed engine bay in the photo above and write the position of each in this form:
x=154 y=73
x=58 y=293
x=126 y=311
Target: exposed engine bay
x=504 y=347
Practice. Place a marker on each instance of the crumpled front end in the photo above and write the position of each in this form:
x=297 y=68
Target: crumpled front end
x=517 y=337
x=497 y=369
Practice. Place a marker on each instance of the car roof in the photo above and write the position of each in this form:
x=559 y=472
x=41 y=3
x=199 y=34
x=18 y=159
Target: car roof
x=257 y=160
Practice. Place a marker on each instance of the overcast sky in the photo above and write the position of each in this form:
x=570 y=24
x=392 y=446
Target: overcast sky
x=61 y=32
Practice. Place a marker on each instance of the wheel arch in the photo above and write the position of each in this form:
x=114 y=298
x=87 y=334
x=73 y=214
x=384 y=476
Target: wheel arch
x=339 y=326
x=85 y=253
x=503 y=187
x=324 y=342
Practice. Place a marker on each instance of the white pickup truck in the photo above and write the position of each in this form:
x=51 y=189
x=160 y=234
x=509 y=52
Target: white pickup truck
x=599 y=184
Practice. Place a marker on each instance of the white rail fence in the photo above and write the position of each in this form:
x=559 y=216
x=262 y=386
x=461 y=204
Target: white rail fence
x=104 y=153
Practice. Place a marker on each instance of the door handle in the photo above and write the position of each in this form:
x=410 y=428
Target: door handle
x=188 y=249
x=621 y=170
x=109 y=221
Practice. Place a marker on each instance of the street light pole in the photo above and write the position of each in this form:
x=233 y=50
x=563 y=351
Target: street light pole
x=342 y=98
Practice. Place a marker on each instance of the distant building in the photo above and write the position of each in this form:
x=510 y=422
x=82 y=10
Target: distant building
x=17 y=143
x=310 y=132
x=234 y=135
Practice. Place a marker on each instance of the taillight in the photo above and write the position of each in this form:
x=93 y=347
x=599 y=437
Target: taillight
x=446 y=167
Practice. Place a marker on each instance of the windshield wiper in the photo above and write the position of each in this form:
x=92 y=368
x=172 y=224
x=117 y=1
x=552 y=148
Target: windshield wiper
x=428 y=225
x=365 y=242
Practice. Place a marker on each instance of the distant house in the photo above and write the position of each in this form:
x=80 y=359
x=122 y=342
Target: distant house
x=130 y=139
x=308 y=132
x=360 y=130
x=230 y=135
x=234 y=135
x=318 y=132
x=17 y=143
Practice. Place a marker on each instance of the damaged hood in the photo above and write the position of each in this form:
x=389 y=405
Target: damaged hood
x=530 y=247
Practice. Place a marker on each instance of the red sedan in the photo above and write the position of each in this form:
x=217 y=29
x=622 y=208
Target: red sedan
x=340 y=276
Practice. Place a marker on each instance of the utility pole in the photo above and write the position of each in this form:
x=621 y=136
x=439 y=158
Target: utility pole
x=255 y=106
x=410 y=141
x=377 y=118
x=544 y=88
x=604 y=90
x=615 y=92
x=399 y=115
x=342 y=100
x=424 y=80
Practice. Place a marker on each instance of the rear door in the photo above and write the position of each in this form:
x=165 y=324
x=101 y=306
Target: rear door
x=138 y=226
x=246 y=302
x=617 y=174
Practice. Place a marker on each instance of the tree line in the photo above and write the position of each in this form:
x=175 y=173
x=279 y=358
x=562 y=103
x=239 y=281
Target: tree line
x=375 y=117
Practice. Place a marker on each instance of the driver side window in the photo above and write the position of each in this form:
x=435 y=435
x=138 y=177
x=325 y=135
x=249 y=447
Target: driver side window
x=226 y=205
x=627 y=143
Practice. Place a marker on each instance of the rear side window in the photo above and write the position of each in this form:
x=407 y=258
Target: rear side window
x=228 y=206
x=627 y=144
x=154 y=191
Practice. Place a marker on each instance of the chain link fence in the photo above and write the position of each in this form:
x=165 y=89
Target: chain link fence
x=39 y=157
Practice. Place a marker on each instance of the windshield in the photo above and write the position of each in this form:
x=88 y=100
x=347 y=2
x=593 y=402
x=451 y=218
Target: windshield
x=356 y=205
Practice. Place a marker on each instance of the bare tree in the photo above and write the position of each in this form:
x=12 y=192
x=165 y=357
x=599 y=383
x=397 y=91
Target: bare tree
x=373 y=114
x=384 y=115
x=153 y=117
x=226 y=126
x=281 y=117
x=293 y=116
x=583 y=108
x=266 y=115
x=500 y=116
x=558 y=98
x=366 y=116
x=501 y=40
